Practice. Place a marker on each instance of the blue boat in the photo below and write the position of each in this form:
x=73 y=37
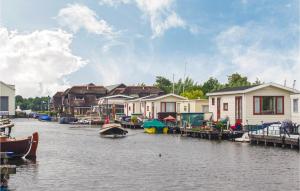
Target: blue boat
x=44 y=118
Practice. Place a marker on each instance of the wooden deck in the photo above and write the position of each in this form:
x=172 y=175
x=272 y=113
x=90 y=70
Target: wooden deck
x=269 y=140
x=210 y=134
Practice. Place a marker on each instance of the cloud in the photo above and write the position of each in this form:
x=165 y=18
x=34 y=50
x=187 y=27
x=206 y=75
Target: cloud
x=160 y=14
x=38 y=62
x=76 y=16
x=254 y=51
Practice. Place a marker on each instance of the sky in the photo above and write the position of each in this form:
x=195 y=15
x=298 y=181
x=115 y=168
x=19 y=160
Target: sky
x=47 y=46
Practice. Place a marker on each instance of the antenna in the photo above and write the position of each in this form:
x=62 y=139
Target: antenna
x=294 y=84
x=285 y=83
x=173 y=84
x=184 y=75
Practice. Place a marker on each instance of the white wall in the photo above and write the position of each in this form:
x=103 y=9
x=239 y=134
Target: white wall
x=295 y=115
x=267 y=91
x=7 y=91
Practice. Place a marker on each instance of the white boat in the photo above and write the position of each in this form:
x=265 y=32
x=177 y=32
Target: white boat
x=244 y=138
x=113 y=129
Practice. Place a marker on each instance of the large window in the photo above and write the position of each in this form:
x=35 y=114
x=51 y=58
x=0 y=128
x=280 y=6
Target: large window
x=295 y=105
x=268 y=105
x=168 y=107
x=3 y=103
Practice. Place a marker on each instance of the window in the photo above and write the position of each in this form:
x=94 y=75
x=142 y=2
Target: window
x=268 y=105
x=147 y=107
x=213 y=101
x=3 y=103
x=185 y=108
x=79 y=97
x=129 y=108
x=295 y=105
x=225 y=106
x=168 y=107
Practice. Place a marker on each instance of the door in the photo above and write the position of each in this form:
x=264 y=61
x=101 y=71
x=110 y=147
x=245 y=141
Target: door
x=238 y=109
x=218 y=108
x=152 y=110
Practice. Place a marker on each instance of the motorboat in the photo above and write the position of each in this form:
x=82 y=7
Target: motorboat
x=17 y=147
x=113 y=129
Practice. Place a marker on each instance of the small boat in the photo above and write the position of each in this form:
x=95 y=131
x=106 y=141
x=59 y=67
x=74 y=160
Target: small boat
x=44 y=118
x=18 y=147
x=244 y=138
x=113 y=129
x=155 y=126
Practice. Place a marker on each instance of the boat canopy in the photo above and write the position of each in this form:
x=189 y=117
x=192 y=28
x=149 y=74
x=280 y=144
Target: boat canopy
x=153 y=123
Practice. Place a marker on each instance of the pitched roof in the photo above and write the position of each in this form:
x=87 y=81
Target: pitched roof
x=137 y=90
x=246 y=89
x=229 y=89
x=8 y=85
x=157 y=97
x=58 y=94
x=112 y=87
x=86 y=89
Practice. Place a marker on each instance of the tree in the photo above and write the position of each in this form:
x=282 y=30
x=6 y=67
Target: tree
x=210 y=85
x=236 y=80
x=163 y=84
x=193 y=94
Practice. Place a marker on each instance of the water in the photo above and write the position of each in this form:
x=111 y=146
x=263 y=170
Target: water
x=79 y=159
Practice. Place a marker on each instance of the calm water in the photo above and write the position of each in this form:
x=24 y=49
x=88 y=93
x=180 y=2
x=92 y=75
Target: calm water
x=79 y=159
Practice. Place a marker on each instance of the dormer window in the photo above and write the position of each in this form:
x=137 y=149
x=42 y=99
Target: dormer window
x=79 y=97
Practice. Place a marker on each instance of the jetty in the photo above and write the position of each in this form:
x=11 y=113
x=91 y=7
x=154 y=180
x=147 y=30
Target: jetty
x=211 y=134
x=292 y=142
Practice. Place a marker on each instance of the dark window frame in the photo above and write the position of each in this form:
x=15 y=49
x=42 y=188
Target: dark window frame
x=261 y=105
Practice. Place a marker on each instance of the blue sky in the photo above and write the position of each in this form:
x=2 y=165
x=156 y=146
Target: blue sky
x=48 y=45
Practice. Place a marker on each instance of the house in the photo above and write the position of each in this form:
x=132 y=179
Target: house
x=7 y=99
x=78 y=100
x=112 y=105
x=154 y=106
x=252 y=104
x=295 y=109
x=193 y=105
x=56 y=102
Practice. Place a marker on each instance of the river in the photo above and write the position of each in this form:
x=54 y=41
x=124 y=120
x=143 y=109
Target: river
x=79 y=159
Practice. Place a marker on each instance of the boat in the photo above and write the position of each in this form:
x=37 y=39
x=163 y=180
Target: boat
x=18 y=147
x=113 y=129
x=244 y=138
x=44 y=118
x=155 y=126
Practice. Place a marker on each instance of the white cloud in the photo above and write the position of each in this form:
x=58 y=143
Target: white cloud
x=76 y=16
x=257 y=53
x=38 y=62
x=160 y=13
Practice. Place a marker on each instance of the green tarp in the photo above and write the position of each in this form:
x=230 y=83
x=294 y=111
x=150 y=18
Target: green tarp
x=153 y=123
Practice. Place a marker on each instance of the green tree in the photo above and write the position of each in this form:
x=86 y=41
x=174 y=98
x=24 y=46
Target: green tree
x=193 y=94
x=210 y=85
x=163 y=84
x=236 y=80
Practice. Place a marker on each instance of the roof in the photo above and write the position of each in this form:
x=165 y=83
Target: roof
x=136 y=90
x=86 y=89
x=246 y=89
x=8 y=85
x=58 y=94
x=112 y=87
x=229 y=89
x=157 y=97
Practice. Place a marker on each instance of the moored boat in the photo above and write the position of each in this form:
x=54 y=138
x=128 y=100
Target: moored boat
x=113 y=129
x=18 y=147
x=155 y=126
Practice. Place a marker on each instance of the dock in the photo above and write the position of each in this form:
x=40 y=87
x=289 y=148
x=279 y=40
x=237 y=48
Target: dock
x=283 y=141
x=211 y=134
x=5 y=169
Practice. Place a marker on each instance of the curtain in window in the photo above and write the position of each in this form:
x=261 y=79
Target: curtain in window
x=279 y=105
x=256 y=105
x=295 y=105
x=170 y=107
